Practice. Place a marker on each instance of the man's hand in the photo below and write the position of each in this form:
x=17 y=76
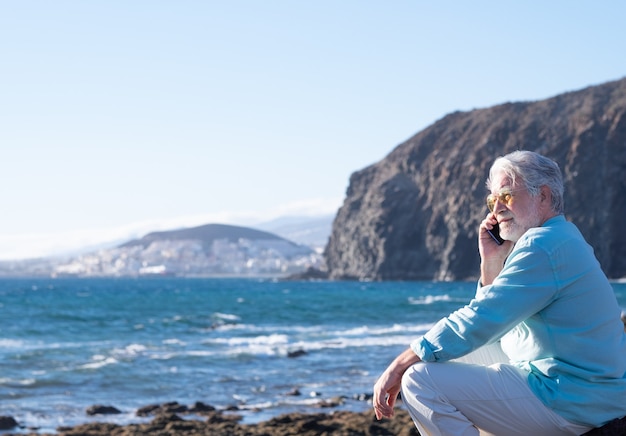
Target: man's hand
x=492 y=255
x=388 y=386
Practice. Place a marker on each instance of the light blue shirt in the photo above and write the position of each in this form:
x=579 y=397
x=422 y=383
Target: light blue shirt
x=557 y=317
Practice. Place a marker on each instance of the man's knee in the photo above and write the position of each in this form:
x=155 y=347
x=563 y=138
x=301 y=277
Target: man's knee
x=415 y=380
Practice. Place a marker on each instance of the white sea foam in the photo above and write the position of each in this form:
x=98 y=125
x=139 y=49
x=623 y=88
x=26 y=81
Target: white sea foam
x=99 y=363
x=256 y=406
x=226 y=316
x=11 y=343
x=429 y=299
x=17 y=382
x=314 y=339
x=200 y=353
x=378 y=331
x=343 y=342
x=129 y=351
x=273 y=339
x=318 y=330
x=174 y=341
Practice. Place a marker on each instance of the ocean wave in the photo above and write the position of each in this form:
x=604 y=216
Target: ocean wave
x=17 y=382
x=317 y=330
x=130 y=350
x=430 y=299
x=99 y=363
x=226 y=316
x=272 y=339
x=282 y=344
x=174 y=341
x=31 y=345
x=384 y=330
x=12 y=343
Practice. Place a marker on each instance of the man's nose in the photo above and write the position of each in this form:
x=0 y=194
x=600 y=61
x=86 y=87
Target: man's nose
x=498 y=206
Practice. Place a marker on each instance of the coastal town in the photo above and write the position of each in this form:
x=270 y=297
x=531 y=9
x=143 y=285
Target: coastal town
x=189 y=258
x=206 y=251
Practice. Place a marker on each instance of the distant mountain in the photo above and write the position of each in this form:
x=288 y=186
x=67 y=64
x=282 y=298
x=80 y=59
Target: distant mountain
x=206 y=234
x=311 y=231
x=208 y=250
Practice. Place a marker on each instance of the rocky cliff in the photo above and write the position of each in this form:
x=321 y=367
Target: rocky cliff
x=414 y=215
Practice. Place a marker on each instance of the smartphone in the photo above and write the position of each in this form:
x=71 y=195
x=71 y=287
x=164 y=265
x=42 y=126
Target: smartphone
x=495 y=234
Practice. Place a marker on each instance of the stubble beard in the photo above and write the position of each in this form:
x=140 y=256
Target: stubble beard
x=514 y=229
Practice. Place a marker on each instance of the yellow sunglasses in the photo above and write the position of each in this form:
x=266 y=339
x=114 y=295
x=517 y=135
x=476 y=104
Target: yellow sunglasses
x=505 y=196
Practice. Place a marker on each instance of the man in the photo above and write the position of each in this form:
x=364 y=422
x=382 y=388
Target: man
x=542 y=295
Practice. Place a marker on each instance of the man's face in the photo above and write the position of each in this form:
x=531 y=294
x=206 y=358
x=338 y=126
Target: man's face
x=520 y=213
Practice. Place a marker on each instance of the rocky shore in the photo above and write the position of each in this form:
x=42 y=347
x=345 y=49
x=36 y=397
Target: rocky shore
x=173 y=419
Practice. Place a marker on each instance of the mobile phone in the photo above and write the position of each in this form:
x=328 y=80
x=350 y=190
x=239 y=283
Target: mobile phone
x=495 y=234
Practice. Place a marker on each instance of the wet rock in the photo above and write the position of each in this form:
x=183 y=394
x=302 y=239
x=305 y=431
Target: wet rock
x=174 y=407
x=7 y=423
x=165 y=418
x=219 y=424
x=94 y=429
x=152 y=409
x=165 y=408
x=311 y=274
x=363 y=397
x=102 y=410
x=332 y=402
x=296 y=353
x=201 y=408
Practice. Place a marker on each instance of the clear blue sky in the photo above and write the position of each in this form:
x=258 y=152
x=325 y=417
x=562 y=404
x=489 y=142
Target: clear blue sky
x=120 y=117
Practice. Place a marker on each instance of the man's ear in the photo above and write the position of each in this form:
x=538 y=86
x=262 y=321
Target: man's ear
x=545 y=195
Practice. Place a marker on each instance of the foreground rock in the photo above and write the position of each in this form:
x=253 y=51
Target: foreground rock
x=219 y=424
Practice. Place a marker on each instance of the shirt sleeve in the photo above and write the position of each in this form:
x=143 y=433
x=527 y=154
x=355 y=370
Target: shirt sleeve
x=524 y=286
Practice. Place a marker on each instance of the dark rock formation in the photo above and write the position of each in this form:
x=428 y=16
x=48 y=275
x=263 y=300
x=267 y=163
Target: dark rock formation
x=102 y=410
x=310 y=273
x=7 y=423
x=414 y=215
x=198 y=408
x=296 y=353
x=218 y=424
x=167 y=420
x=301 y=424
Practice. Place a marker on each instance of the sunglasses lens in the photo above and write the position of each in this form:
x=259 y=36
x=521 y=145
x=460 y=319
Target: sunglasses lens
x=503 y=197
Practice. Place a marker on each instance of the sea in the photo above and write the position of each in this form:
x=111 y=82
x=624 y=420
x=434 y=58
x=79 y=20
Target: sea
x=263 y=346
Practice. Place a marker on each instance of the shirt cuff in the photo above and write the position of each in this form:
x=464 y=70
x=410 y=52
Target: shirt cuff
x=423 y=349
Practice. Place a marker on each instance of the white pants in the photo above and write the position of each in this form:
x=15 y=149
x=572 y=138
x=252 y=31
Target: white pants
x=459 y=398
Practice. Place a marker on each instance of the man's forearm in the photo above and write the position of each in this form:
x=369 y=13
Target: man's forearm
x=404 y=361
